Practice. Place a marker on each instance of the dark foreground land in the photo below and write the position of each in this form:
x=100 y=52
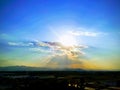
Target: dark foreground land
x=61 y=80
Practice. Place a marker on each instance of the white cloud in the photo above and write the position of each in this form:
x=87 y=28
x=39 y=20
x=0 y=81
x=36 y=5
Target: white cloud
x=12 y=44
x=86 y=33
x=52 y=47
x=36 y=49
x=77 y=31
x=20 y=44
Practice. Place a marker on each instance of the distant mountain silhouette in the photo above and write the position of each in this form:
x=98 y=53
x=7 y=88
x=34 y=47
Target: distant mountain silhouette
x=28 y=68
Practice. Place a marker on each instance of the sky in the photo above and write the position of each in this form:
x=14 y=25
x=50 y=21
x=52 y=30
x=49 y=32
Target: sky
x=57 y=34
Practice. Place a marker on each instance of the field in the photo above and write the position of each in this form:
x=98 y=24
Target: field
x=66 y=80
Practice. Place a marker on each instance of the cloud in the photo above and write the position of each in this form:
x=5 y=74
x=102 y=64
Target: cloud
x=61 y=61
x=78 y=31
x=66 y=61
x=54 y=47
x=57 y=55
x=86 y=33
x=20 y=44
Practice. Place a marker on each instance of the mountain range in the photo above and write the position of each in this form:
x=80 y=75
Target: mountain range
x=28 y=68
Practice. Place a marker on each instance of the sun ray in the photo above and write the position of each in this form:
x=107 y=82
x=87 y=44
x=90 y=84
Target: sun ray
x=67 y=40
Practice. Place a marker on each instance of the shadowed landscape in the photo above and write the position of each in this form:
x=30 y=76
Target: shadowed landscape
x=66 y=80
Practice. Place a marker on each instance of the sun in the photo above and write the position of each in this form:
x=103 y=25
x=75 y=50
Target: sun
x=67 y=40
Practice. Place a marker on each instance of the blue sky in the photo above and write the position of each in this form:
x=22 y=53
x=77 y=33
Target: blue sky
x=60 y=33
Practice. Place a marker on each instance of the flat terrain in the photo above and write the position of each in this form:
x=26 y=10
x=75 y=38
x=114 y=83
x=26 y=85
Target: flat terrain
x=67 y=80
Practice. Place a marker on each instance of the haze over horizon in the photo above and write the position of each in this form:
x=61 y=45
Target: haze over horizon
x=81 y=34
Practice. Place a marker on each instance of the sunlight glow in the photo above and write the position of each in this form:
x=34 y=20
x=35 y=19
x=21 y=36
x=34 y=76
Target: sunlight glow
x=67 y=40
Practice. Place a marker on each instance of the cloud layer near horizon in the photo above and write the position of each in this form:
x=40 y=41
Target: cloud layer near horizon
x=58 y=55
x=87 y=51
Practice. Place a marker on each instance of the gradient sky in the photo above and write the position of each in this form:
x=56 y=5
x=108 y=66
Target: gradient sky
x=60 y=33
